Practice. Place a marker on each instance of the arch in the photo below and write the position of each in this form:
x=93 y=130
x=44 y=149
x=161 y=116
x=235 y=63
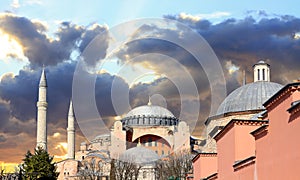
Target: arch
x=152 y=137
x=158 y=133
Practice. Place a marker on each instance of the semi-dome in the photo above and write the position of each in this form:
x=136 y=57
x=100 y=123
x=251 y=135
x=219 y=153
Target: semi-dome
x=249 y=97
x=149 y=115
x=140 y=155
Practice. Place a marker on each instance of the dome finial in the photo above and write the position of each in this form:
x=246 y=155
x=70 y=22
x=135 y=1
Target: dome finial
x=149 y=101
x=244 y=77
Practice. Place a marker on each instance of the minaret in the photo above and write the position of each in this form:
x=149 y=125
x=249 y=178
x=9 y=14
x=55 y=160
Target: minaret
x=261 y=71
x=71 y=133
x=41 y=139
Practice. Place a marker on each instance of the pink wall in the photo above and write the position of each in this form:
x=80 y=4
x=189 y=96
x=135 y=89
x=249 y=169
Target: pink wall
x=226 y=155
x=205 y=165
x=279 y=151
x=246 y=173
x=67 y=168
x=244 y=141
x=235 y=145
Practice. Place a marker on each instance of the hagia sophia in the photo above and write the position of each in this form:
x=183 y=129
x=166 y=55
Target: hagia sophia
x=146 y=134
x=253 y=135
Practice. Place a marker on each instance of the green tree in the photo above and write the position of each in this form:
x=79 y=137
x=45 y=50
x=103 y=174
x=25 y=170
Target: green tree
x=38 y=165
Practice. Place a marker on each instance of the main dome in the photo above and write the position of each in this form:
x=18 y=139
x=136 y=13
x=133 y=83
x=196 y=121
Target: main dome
x=249 y=97
x=150 y=110
x=149 y=115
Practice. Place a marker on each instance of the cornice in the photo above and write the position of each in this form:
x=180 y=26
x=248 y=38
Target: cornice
x=282 y=93
x=239 y=122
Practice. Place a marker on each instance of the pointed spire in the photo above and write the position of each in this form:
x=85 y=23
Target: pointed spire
x=71 y=111
x=149 y=101
x=43 y=81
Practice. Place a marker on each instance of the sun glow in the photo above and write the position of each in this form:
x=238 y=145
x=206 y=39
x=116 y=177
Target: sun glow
x=62 y=145
x=10 y=48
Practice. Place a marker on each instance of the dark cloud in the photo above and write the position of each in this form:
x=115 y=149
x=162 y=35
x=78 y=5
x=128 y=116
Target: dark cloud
x=2 y=138
x=21 y=93
x=245 y=41
x=4 y=114
x=41 y=49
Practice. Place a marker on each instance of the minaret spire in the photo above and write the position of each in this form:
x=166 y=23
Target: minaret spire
x=41 y=140
x=71 y=132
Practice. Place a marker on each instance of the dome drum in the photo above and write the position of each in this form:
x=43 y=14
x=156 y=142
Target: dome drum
x=149 y=120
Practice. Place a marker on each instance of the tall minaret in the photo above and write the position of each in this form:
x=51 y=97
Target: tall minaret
x=71 y=133
x=41 y=139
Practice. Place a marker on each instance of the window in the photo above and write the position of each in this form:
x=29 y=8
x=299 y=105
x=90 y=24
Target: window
x=162 y=144
x=258 y=73
x=263 y=73
x=144 y=175
x=150 y=141
x=155 y=143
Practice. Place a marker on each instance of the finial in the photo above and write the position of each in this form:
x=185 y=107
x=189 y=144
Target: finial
x=149 y=101
x=244 y=77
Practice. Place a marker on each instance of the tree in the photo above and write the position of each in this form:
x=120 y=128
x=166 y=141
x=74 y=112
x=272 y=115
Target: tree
x=93 y=169
x=125 y=169
x=38 y=165
x=175 y=166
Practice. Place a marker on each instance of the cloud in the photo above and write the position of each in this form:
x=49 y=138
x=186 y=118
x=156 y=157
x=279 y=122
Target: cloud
x=2 y=138
x=198 y=17
x=238 y=43
x=40 y=48
x=15 y=4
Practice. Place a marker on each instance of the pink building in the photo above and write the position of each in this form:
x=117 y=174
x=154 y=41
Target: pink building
x=264 y=147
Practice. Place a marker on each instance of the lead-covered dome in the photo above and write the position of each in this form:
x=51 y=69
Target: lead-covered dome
x=149 y=115
x=249 y=97
x=150 y=110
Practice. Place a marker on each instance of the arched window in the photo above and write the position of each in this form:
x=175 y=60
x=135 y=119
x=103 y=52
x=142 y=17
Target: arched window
x=263 y=74
x=150 y=141
x=144 y=175
x=258 y=74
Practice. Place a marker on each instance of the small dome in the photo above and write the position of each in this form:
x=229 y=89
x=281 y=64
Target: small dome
x=150 y=110
x=139 y=155
x=249 y=97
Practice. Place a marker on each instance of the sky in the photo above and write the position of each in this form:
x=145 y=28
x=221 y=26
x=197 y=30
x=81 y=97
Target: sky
x=51 y=33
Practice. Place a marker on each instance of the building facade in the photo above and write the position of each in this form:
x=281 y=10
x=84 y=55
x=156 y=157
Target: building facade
x=256 y=146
